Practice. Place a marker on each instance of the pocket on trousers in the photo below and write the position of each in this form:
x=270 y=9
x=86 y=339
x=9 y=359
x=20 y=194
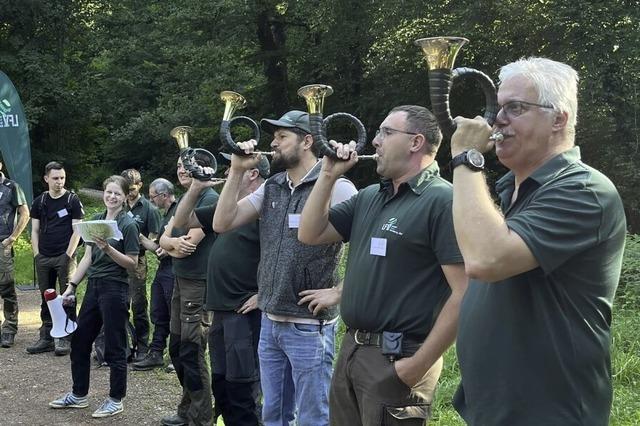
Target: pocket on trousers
x=191 y=319
x=241 y=362
x=306 y=329
x=416 y=414
x=191 y=328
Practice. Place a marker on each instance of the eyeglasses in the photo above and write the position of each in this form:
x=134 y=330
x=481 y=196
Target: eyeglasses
x=153 y=197
x=515 y=109
x=383 y=132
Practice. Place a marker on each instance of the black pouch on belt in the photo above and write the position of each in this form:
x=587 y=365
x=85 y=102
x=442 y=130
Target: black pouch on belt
x=392 y=345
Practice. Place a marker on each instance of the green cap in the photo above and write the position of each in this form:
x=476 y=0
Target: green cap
x=292 y=119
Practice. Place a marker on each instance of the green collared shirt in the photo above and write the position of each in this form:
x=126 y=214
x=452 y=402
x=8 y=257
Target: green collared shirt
x=146 y=217
x=397 y=244
x=534 y=348
x=102 y=265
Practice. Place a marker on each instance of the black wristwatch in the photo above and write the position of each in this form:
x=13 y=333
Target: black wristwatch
x=471 y=158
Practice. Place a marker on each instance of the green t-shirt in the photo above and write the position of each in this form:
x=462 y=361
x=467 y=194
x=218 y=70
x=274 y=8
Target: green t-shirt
x=397 y=244
x=194 y=267
x=146 y=217
x=534 y=348
x=102 y=266
x=233 y=264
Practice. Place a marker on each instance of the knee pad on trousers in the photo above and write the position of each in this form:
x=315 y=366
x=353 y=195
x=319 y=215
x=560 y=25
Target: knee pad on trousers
x=189 y=357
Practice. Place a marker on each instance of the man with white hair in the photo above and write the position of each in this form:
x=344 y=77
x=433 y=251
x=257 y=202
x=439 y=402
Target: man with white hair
x=534 y=332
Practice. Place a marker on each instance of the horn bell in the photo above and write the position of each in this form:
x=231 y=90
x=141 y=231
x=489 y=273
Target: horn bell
x=441 y=52
x=181 y=135
x=314 y=94
x=233 y=101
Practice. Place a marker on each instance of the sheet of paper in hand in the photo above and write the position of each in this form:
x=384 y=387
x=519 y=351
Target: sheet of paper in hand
x=90 y=229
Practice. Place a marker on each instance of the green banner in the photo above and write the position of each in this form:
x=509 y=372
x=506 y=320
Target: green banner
x=14 y=137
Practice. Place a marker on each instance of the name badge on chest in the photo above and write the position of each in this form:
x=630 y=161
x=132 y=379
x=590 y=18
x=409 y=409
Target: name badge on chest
x=378 y=246
x=129 y=213
x=294 y=220
x=62 y=212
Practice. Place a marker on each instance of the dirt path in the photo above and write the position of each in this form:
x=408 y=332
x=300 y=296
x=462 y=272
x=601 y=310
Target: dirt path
x=29 y=382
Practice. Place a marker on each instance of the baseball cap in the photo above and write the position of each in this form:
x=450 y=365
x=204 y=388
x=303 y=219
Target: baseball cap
x=295 y=118
x=263 y=165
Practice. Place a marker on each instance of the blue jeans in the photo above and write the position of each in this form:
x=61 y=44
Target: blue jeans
x=296 y=363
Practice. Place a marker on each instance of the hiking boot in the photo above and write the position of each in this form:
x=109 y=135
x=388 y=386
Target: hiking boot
x=170 y=368
x=42 y=345
x=174 y=420
x=110 y=407
x=152 y=360
x=141 y=353
x=70 y=401
x=7 y=340
x=62 y=346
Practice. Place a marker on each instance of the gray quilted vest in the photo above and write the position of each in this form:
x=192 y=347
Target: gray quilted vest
x=288 y=266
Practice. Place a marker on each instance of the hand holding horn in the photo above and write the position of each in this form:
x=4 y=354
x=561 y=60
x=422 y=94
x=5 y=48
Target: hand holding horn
x=314 y=95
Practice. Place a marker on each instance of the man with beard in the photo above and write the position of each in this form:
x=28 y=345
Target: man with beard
x=296 y=347
x=189 y=321
x=54 y=244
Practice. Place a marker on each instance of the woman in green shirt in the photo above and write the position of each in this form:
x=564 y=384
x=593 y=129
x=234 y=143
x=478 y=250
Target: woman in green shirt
x=106 y=264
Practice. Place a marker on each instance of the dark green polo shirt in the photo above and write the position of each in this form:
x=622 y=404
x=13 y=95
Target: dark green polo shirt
x=147 y=218
x=534 y=348
x=405 y=289
x=102 y=266
x=194 y=266
x=232 y=276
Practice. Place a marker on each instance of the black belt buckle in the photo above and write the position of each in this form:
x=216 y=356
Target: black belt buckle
x=392 y=345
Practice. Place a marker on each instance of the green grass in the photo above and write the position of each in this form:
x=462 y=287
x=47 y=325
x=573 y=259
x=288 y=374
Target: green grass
x=625 y=335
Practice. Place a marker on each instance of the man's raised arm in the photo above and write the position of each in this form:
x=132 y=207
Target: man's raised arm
x=231 y=213
x=315 y=227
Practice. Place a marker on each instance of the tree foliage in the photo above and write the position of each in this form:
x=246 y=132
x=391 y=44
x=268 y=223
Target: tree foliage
x=104 y=81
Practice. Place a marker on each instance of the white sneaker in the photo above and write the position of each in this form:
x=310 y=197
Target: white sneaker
x=69 y=400
x=109 y=407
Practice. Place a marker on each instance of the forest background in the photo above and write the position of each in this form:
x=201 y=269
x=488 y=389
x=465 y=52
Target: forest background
x=104 y=81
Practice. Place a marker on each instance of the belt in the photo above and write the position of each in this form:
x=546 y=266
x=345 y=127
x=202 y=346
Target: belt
x=370 y=338
x=366 y=338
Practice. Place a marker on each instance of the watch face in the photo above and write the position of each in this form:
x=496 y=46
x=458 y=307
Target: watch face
x=475 y=158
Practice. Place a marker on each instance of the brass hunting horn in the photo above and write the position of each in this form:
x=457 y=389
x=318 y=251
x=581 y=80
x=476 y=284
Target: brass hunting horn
x=440 y=53
x=234 y=101
x=188 y=155
x=314 y=94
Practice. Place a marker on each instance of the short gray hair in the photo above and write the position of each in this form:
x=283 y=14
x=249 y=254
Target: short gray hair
x=162 y=186
x=555 y=82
